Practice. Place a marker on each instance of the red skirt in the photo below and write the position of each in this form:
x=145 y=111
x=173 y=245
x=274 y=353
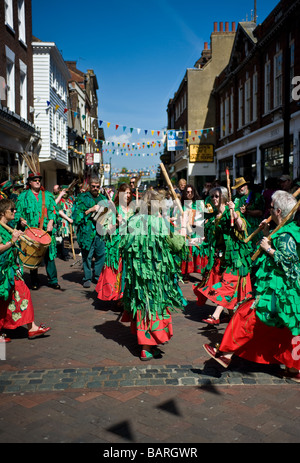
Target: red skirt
x=18 y=309
x=223 y=287
x=249 y=338
x=194 y=264
x=109 y=286
x=151 y=332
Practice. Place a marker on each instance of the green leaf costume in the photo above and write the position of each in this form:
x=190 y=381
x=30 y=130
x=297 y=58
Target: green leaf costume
x=278 y=281
x=31 y=210
x=151 y=270
x=85 y=226
x=8 y=265
x=221 y=237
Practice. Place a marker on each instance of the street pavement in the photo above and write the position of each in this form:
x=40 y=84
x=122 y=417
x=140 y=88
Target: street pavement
x=84 y=382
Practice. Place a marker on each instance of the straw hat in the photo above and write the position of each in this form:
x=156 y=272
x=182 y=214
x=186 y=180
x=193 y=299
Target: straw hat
x=239 y=182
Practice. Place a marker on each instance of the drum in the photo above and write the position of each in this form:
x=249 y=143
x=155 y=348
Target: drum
x=33 y=255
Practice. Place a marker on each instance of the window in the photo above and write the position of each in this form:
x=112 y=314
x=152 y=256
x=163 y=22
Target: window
x=9 y=16
x=231 y=127
x=278 y=80
x=255 y=89
x=227 y=117
x=23 y=90
x=292 y=65
x=222 y=119
x=10 y=79
x=267 y=86
x=247 y=101
x=21 y=20
x=241 y=106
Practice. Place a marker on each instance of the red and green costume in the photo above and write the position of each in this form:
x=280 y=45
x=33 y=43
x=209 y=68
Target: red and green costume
x=152 y=270
x=226 y=277
x=266 y=329
x=109 y=286
x=16 y=308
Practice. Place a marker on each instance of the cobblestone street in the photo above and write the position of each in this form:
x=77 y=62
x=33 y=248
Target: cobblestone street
x=84 y=382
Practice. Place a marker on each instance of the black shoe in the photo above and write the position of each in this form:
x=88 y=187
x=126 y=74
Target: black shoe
x=54 y=286
x=35 y=285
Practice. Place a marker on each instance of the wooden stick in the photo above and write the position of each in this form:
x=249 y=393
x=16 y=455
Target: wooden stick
x=175 y=197
x=268 y=220
x=26 y=239
x=72 y=244
x=284 y=221
x=229 y=195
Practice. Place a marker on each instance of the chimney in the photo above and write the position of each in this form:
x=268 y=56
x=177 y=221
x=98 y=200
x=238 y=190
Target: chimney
x=226 y=26
x=233 y=27
x=205 y=45
x=215 y=27
x=221 y=27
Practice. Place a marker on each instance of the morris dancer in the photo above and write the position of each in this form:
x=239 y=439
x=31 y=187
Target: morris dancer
x=190 y=205
x=250 y=204
x=226 y=278
x=90 y=243
x=36 y=208
x=109 y=286
x=16 y=308
x=151 y=277
x=266 y=329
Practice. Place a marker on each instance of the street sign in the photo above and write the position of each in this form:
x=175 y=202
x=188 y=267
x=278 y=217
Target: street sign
x=175 y=140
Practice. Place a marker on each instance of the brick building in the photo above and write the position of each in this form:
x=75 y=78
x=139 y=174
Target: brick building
x=85 y=135
x=17 y=131
x=257 y=115
x=192 y=110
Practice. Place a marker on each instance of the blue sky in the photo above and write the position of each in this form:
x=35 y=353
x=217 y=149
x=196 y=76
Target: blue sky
x=139 y=51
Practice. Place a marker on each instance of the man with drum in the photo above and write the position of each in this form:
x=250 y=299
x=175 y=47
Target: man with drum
x=36 y=209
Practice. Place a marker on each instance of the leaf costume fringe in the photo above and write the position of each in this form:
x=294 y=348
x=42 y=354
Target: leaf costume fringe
x=152 y=274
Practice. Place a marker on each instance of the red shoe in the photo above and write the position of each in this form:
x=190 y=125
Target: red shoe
x=211 y=320
x=39 y=332
x=213 y=353
x=4 y=338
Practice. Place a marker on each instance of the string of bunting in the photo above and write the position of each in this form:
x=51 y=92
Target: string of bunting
x=183 y=134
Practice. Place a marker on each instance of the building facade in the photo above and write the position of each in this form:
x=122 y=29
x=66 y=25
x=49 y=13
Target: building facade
x=86 y=136
x=192 y=111
x=18 y=134
x=51 y=77
x=258 y=113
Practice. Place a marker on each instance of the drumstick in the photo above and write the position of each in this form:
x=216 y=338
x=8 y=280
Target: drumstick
x=35 y=234
x=268 y=220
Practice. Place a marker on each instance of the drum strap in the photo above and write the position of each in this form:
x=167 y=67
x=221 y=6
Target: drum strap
x=43 y=210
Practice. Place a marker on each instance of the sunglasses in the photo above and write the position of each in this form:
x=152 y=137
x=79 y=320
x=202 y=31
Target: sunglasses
x=12 y=209
x=96 y=187
x=215 y=196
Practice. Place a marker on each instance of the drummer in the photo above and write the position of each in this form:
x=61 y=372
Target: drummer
x=36 y=208
x=16 y=308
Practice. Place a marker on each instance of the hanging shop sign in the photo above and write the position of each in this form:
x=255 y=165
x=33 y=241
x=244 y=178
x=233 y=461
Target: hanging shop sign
x=201 y=153
x=89 y=159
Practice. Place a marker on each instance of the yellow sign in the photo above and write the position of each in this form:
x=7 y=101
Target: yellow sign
x=201 y=153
